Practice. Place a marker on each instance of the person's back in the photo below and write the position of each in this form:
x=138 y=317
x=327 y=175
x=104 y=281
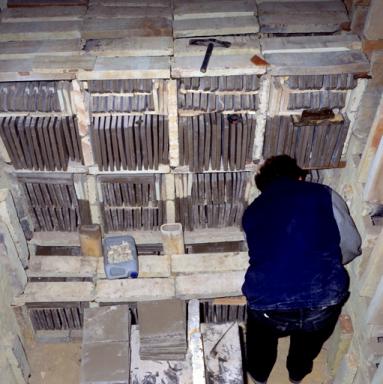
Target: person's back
x=299 y=235
x=293 y=240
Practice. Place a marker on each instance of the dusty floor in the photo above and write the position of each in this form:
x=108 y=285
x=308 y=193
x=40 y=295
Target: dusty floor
x=279 y=374
x=60 y=364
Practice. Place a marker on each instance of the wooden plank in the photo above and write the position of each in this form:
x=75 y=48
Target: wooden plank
x=215 y=26
x=129 y=46
x=206 y=235
x=96 y=141
x=289 y=1
x=108 y=140
x=149 y=141
x=63 y=64
x=127 y=12
x=317 y=63
x=304 y=7
x=148 y=267
x=34 y=137
x=45 y=3
x=42 y=147
x=144 y=146
x=209 y=285
x=57 y=266
x=373 y=28
x=129 y=142
x=28 y=126
x=132 y=3
x=238 y=152
x=49 y=150
x=63 y=155
x=20 y=15
x=214 y=141
x=201 y=142
x=120 y=141
x=53 y=142
x=232 y=141
x=223 y=359
x=103 y=148
x=300 y=44
x=208 y=139
x=4 y=131
x=302 y=23
x=21 y=70
x=27 y=49
x=137 y=142
x=50 y=30
x=18 y=149
x=132 y=68
x=373 y=190
x=117 y=28
x=74 y=133
x=216 y=9
x=43 y=292
x=194 y=162
x=218 y=138
x=155 y=127
x=113 y=131
x=195 y=343
x=372 y=145
x=132 y=290
x=189 y=66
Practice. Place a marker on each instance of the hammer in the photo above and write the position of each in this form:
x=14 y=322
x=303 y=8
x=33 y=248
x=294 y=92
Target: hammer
x=210 y=43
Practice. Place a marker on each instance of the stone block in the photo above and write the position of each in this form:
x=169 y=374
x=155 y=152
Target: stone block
x=106 y=324
x=105 y=363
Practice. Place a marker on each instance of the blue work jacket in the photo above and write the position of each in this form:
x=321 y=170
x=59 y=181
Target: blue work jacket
x=294 y=248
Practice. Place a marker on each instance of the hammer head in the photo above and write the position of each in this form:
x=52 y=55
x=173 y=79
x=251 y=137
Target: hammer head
x=206 y=42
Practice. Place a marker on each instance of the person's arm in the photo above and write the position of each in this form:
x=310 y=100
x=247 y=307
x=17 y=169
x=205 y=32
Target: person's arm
x=350 y=240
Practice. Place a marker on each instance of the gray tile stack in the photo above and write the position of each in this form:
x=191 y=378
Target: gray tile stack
x=105 y=357
x=162 y=330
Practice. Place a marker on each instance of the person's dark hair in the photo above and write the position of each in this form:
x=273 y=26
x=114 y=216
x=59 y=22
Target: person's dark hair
x=276 y=167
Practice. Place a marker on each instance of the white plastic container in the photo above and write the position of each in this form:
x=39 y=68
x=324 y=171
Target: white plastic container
x=123 y=269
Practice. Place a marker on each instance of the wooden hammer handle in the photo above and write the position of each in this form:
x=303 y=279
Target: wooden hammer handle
x=206 y=59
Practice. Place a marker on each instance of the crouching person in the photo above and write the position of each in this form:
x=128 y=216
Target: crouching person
x=299 y=235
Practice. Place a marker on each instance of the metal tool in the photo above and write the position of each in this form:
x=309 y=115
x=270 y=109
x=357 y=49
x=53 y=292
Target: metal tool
x=210 y=43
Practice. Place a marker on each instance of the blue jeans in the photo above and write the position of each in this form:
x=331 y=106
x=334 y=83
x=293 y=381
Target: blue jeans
x=308 y=330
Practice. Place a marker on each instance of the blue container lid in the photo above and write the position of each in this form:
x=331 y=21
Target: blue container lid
x=134 y=275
